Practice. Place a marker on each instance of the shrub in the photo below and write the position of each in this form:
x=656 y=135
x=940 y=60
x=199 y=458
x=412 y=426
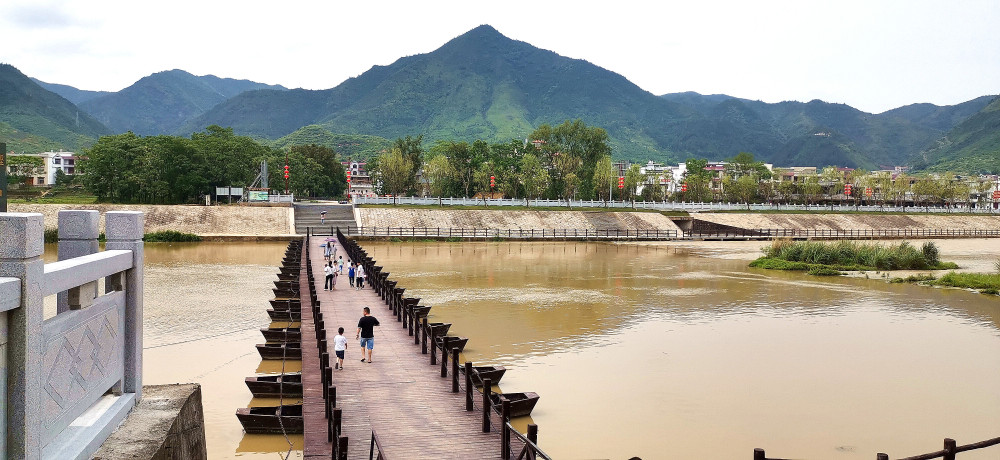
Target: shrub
x=824 y=271
x=170 y=236
x=931 y=253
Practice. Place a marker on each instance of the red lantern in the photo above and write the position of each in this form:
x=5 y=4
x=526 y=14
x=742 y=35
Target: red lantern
x=996 y=195
x=684 y=187
x=348 y=176
x=848 y=189
x=621 y=182
x=492 y=182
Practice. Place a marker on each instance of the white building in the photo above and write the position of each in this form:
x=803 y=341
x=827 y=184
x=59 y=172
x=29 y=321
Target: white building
x=51 y=163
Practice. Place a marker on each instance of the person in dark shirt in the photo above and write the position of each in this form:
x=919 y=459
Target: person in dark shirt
x=366 y=333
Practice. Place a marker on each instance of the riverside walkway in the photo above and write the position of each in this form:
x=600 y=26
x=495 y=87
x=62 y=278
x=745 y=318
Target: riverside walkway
x=400 y=395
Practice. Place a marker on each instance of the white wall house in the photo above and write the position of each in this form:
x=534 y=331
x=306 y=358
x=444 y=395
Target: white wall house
x=52 y=162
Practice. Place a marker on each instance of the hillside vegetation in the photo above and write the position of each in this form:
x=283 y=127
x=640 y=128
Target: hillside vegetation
x=37 y=118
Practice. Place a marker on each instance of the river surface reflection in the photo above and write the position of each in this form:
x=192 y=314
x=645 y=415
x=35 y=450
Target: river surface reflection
x=669 y=351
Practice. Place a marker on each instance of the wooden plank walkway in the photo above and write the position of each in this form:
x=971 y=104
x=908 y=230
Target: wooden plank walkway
x=400 y=394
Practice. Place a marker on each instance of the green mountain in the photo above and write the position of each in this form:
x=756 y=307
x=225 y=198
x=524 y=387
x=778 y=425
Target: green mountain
x=819 y=133
x=973 y=146
x=487 y=86
x=348 y=146
x=479 y=85
x=163 y=102
x=71 y=94
x=34 y=119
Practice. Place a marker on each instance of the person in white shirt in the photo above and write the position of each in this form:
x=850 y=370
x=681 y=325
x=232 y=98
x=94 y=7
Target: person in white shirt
x=331 y=279
x=359 y=277
x=339 y=347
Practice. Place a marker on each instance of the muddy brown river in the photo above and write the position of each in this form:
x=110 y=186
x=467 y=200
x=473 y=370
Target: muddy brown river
x=666 y=350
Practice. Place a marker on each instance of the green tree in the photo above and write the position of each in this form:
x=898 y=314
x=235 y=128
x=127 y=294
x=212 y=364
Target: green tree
x=441 y=176
x=588 y=144
x=534 y=177
x=23 y=167
x=394 y=173
x=329 y=163
x=604 y=177
x=633 y=177
x=111 y=170
x=698 y=180
x=411 y=148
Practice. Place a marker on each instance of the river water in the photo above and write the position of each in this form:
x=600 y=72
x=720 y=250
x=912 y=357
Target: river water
x=666 y=350
x=680 y=351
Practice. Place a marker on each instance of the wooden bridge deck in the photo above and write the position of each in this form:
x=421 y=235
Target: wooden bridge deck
x=400 y=394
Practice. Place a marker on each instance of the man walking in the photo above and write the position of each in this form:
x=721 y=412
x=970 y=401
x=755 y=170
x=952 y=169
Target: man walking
x=359 y=277
x=366 y=333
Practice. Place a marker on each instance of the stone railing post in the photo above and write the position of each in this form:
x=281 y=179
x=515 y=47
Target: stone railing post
x=21 y=247
x=78 y=232
x=124 y=230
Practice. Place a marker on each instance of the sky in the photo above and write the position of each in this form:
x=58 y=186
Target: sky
x=874 y=55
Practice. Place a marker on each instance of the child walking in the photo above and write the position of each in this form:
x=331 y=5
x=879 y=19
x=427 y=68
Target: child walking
x=339 y=347
x=350 y=274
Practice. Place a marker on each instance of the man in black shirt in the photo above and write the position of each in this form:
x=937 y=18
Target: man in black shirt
x=366 y=333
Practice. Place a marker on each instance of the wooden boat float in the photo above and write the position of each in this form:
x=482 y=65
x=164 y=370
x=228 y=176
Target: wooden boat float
x=521 y=404
x=439 y=329
x=286 y=293
x=271 y=419
x=494 y=373
x=287 y=284
x=453 y=342
x=285 y=303
x=286 y=350
x=273 y=386
x=282 y=334
x=284 y=315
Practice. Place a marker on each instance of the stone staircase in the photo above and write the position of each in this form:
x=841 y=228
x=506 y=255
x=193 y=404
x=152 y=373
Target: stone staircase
x=308 y=215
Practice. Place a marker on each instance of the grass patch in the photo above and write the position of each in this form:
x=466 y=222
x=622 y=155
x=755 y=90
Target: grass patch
x=824 y=271
x=914 y=279
x=71 y=195
x=170 y=236
x=902 y=256
x=987 y=283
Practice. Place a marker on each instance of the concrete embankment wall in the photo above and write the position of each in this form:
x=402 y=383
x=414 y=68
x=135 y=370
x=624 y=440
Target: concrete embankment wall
x=506 y=219
x=200 y=220
x=851 y=221
x=168 y=424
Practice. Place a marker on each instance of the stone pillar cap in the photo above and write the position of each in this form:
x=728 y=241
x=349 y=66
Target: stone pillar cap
x=22 y=235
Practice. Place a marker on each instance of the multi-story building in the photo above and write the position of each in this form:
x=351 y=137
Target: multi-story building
x=361 y=181
x=52 y=163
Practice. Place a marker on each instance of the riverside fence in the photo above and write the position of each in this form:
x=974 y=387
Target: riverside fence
x=650 y=234
x=988 y=208
x=87 y=358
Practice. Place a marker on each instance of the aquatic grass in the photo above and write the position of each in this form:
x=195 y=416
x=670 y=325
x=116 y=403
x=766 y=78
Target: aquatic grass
x=982 y=282
x=170 y=236
x=902 y=256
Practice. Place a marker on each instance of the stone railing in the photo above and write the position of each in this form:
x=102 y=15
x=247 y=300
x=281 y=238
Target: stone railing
x=72 y=378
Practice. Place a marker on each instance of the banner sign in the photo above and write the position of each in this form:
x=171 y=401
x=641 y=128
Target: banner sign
x=3 y=177
x=254 y=195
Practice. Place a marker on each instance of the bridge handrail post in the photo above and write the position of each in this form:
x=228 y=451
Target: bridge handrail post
x=20 y=257
x=78 y=232
x=454 y=370
x=468 y=387
x=124 y=230
x=487 y=389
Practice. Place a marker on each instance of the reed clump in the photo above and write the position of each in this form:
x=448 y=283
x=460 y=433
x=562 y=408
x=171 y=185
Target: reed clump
x=850 y=255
